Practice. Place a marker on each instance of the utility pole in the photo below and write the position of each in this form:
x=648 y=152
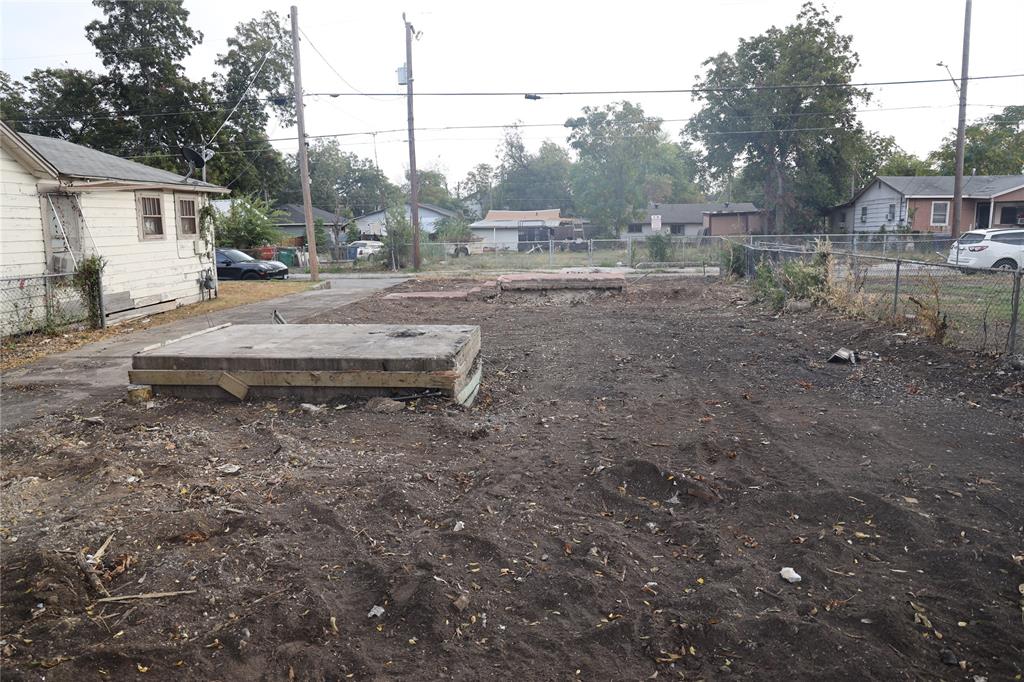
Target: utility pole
x=414 y=189
x=307 y=200
x=958 y=180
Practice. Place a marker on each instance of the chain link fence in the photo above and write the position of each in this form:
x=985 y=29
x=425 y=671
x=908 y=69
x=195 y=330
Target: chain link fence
x=917 y=246
x=40 y=304
x=970 y=309
x=628 y=251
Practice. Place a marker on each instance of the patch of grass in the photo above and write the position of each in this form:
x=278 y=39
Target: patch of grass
x=17 y=351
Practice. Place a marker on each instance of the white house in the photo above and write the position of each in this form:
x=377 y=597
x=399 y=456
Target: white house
x=505 y=230
x=60 y=202
x=373 y=224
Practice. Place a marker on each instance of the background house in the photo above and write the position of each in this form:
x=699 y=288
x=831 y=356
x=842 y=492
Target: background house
x=924 y=204
x=684 y=219
x=61 y=202
x=290 y=219
x=372 y=225
x=734 y=221
x=506 y=230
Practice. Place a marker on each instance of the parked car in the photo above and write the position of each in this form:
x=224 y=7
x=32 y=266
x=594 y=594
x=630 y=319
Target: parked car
x=233 y=264
x=996 y=248
x=365 y=248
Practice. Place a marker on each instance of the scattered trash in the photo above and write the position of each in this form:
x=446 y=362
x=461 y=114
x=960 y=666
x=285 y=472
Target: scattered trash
x=844 y=355
x=384 y=405
x=309 y=407
x=93 y=420
x=674 y=499
x=229 y=469
x=376 y=612
x=461 y=602
x=459 y=525
x=789 y=575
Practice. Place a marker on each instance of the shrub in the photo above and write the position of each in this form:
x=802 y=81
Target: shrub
x=247 y=224
x=88 y=280
x=659 y=248
x=734 y=260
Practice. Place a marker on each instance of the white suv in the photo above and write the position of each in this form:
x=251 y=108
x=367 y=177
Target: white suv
x=999 y=249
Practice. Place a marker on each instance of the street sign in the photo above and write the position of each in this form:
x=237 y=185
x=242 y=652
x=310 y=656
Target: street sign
x=655 y=223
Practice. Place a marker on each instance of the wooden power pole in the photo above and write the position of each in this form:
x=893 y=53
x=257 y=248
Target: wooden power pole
x=414 y=189
x=958 y=179
x=307 y=200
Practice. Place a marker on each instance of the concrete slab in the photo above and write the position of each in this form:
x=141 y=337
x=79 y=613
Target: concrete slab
x=451 y=295
x=541 y=281
x=315 y=362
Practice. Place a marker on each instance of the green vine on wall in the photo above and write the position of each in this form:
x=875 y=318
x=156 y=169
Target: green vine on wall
x=88 y=280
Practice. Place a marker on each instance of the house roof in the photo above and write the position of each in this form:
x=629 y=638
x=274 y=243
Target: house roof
x=76 y=161
x=25 y=154
x=980 y=186
x=691 y=213
x=545 y=214
x=429 y=207
x=295 y=214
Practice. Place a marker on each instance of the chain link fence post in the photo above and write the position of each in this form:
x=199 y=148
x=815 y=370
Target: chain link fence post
x=896 y=290
x=99 y=303
x=590 y=253
x=1011 y=342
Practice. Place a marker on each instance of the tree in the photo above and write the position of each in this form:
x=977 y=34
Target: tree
x=618 y=153
x=433 y=189
x=256 y=74
x=247 y=224
x=794 y=142
x=906 y=164
x=452 y=230
x=993 y=146
x=142 y=44
x=476 y=190
x=339 y=180
x=532 y=181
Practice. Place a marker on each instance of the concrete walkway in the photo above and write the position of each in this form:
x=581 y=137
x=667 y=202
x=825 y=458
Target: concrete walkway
x=99 y=371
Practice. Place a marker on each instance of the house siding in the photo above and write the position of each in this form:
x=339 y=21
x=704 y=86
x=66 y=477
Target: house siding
x=499 y=239
x=921 y=212
x=874 y=203
x=141 y=272
x=22 y=252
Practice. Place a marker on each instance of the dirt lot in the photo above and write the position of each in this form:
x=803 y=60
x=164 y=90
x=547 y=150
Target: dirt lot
x=617 y=505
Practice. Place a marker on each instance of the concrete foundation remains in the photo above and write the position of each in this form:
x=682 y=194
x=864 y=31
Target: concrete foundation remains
x=315 y=362
x=545 y=281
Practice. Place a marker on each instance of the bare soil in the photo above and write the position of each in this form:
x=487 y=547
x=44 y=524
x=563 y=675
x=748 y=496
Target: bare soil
x=617 y=505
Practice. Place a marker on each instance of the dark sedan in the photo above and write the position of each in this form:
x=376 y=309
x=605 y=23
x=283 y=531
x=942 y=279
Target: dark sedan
x=233 y=264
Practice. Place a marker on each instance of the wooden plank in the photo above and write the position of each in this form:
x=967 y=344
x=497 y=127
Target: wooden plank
x=186 y=336
x=466 y=356
x=232 y=385
x=352 y=379
x=464 y=392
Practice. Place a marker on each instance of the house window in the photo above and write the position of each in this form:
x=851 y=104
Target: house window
x=1009 y=215
x=635 y=229
x=890 y=215
x=940 y=213
x=188 y=218
x=863 y=214
x=151 y=219
x=677 y=229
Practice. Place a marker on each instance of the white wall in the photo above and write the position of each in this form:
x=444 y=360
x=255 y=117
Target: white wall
x=22 y=253
x=501 y=239
x=874 y=204
x=373 y=223
x=21 y=221
x=148 y=271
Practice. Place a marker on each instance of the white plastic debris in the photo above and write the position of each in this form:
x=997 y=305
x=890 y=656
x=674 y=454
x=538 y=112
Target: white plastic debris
x=789 y=575
x=674 y=499
x=459 y=525
x=309 y=407
x=376 y=612
x=229 y=469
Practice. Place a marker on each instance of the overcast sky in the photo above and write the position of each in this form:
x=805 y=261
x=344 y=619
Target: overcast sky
x=547 y=46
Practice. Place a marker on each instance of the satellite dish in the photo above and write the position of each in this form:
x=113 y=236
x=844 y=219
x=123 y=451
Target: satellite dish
x=195 y=159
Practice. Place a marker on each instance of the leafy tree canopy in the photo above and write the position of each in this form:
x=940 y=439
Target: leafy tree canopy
x=993 y=146
x=798 y=143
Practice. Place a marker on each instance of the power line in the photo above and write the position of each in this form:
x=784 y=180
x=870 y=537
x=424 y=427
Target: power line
x=670 y=91
x=338 y=74
x=245 y=92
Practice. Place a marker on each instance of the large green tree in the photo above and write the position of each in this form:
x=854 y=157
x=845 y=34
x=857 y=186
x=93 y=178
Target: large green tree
x=620 y=150
x=339 y=181
x=992 y=146
x=528 y=181
x=796 y=142
x=476 y=190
